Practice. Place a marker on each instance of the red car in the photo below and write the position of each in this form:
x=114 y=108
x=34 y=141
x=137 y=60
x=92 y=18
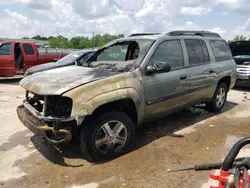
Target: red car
x=17 y=57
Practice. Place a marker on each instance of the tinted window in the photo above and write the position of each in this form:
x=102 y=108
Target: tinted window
x=195 y=52
x=205 y=51
x=28 y=49
x=5 y=49
x=86 y=57
x=171 y=52
x=221 y=50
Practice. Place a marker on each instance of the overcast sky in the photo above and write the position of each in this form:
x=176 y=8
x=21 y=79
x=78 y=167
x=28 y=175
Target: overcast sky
x=82 y=17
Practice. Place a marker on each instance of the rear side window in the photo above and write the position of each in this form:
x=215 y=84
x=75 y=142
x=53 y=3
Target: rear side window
x=28 y=49
x=197 y=52
x=5 y=49
x=221 y=50
x=171 y=52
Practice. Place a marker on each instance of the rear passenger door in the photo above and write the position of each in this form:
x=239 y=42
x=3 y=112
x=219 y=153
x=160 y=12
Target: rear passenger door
x=200 y=69
x=166 y=91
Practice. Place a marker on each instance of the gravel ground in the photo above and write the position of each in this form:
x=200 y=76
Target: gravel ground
x=28 y=161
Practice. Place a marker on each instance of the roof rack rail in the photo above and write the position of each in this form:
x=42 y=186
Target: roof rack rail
x=142 y=34
x=200 y=33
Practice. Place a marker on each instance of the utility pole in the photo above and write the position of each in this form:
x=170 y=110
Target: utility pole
x=93 y=40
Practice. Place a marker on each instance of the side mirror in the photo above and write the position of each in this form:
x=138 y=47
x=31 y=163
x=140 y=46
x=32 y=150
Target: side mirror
x=158 y=67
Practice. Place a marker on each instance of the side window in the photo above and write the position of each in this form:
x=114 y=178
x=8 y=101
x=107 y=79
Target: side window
x=114 y=53
x=221 y=50
x=84 y=58
x=195 y=52
x=28 y=49
x=171 y=52
x=5 y=49
x=205 y=51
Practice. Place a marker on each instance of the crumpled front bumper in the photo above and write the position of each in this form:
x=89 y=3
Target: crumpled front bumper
x=42 y=129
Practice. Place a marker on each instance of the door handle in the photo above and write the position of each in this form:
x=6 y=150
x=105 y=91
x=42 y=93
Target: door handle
x=208 y=71
x=211 y=71
x=183 y=77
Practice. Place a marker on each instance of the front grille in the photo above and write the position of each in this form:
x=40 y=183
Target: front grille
x=239 y=62
x=58 y=106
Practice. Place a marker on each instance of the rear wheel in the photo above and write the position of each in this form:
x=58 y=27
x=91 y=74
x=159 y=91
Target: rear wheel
x=107 y=136
x=219 y=98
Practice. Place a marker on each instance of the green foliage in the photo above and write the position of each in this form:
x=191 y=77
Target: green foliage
x=58 y=42
x=1 y=40
x=238 y=38
x=78 y=42
x=38 y=37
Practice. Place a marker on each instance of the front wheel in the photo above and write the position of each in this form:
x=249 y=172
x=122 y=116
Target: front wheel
x=219 y=98
x=107 y=136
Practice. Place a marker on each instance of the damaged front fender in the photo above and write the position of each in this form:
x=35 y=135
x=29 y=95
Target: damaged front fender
x=87 y=98
x=81 y=108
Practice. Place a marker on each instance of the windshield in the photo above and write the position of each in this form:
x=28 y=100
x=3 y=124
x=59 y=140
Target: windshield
x=120 y=56
x=71 y=57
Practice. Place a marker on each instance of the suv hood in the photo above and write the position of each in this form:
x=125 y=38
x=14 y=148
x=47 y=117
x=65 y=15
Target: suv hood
x=240 y=48
x=58 y=81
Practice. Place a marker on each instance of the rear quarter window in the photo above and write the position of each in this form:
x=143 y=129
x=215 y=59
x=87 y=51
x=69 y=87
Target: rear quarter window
x=221 y=50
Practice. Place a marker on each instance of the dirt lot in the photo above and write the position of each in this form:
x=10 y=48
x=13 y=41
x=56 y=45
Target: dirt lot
x=184 y=139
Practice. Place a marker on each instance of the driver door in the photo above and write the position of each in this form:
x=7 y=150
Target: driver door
x=166 y=91
x=7 y=59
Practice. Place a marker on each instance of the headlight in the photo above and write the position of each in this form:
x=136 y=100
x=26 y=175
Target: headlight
x=58 y=106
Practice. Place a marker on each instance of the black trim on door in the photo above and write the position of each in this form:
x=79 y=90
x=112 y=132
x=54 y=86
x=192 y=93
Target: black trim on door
x=176 y=95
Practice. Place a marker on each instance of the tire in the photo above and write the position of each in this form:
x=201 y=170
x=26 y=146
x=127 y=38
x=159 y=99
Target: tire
x=214 y=105
x=96 y=142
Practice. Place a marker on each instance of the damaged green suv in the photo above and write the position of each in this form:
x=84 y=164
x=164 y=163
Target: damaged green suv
x=126 y=83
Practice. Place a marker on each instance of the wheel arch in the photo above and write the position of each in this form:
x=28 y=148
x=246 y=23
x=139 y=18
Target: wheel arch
x=226 y=80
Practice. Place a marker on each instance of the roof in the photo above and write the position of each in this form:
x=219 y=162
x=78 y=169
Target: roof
x=179 y=33
x=37 y=42
x=152 y=37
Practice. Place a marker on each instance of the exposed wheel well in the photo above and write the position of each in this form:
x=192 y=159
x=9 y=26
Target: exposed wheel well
x=125 y=105
x=226 y=80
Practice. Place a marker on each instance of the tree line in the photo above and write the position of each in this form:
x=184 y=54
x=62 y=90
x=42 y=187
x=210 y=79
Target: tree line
x=239 y=38
x=95 y=41
x=77 y=42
